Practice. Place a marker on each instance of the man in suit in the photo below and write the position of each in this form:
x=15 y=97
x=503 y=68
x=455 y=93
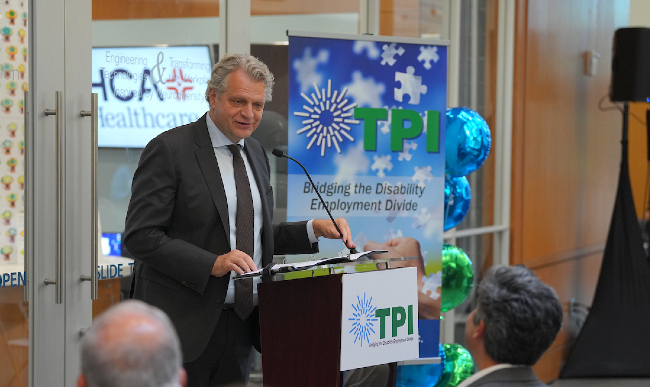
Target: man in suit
x=132 y=344
x=201 y=208
x=516 y=319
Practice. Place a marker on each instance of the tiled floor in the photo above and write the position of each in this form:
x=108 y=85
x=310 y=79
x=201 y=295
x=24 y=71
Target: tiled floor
x=641 y=382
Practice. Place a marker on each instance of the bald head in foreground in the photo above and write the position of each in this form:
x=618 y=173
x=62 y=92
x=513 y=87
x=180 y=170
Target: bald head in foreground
x=131 y=345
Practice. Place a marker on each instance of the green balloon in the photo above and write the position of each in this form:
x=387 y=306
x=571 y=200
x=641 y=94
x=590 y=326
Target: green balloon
x=457 y=277
x=458 y=366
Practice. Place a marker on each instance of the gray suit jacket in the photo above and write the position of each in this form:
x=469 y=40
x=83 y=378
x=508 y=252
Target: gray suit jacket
x=177 y=224
x=510 y=377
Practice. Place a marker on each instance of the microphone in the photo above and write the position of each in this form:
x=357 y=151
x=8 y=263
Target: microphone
x=278 y=153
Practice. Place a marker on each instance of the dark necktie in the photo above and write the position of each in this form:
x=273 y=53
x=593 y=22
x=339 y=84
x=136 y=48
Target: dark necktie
x=245 y=225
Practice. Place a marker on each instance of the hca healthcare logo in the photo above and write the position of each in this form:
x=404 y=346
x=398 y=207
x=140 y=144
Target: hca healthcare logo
x=368 y=321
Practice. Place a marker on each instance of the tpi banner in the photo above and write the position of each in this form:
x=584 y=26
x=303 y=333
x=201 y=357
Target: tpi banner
x=367 y=119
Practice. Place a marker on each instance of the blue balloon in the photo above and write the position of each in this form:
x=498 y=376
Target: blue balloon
x=458 y=196
x=467 y=141
x=423 y=375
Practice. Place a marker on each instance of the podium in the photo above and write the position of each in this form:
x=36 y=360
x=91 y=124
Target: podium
x=314 y=328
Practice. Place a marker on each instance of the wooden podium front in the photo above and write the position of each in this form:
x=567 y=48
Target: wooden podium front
x=302 y=326
x=300 y=323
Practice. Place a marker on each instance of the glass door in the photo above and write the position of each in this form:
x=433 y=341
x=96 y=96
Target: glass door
x=46 y=174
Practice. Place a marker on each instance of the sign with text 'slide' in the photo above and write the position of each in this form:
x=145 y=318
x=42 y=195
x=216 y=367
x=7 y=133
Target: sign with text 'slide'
x=379 y=321
x=143 y=91
x=367 y=119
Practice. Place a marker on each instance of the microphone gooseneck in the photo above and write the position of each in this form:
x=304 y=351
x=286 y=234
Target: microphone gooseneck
x=278 y=153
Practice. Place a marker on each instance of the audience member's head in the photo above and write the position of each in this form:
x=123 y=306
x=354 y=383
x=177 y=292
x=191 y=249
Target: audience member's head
x=516 y=318
x=131 y=345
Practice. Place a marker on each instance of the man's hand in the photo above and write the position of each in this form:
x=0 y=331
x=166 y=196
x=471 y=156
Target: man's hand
x=235 y=260
x=325 y=228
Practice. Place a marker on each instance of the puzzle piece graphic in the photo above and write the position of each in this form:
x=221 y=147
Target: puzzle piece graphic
x=306 y=68
x=388 y=56
x=391 y=235
x=381 y=163
x=422 y=218
x=405 y=155
x=350 y=164
x=424 y=121
x=411 y=85
x=428 y=54
x=422 y=174
x=366 y=91
x=431 y=284
x=371 y=49
x=385 y=125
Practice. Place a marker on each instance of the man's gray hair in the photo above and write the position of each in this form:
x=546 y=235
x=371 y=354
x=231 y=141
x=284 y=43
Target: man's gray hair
x=522 y=315
x=254 y=68
x=131 y=345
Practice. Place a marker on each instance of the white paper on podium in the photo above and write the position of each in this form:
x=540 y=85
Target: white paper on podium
x=289 y=267
x=369 y=298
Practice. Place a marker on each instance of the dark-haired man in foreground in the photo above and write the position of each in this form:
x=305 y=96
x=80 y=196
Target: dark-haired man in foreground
x=516 y=319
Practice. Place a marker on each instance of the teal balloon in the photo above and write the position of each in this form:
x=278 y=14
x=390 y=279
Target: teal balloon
x=459 y=366
x=458 y=197
x=457 y=277
x=422 y=375
x=467 y=141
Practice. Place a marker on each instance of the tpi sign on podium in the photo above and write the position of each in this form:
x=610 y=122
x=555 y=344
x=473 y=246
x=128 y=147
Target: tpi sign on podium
x=401 y=317
x=379 y=320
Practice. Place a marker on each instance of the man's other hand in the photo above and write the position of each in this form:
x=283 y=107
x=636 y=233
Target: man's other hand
x=235 y=260
x=325 y=228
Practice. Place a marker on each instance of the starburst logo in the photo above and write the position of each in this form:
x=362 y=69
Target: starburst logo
x=363 y=320
x=326 y=118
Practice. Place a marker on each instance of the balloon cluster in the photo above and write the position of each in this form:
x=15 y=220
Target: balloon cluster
x=467 y=145
x=455 y=365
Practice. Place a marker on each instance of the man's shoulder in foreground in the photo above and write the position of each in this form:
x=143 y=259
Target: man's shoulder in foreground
x=521 y=376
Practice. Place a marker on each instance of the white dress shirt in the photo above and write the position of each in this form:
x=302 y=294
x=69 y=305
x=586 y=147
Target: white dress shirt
x=484 y=372
x=220 y=144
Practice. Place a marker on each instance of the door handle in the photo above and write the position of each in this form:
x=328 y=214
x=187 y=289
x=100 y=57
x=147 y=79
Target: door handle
x=94 y=259
x=28 y=197
x=60 y=175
